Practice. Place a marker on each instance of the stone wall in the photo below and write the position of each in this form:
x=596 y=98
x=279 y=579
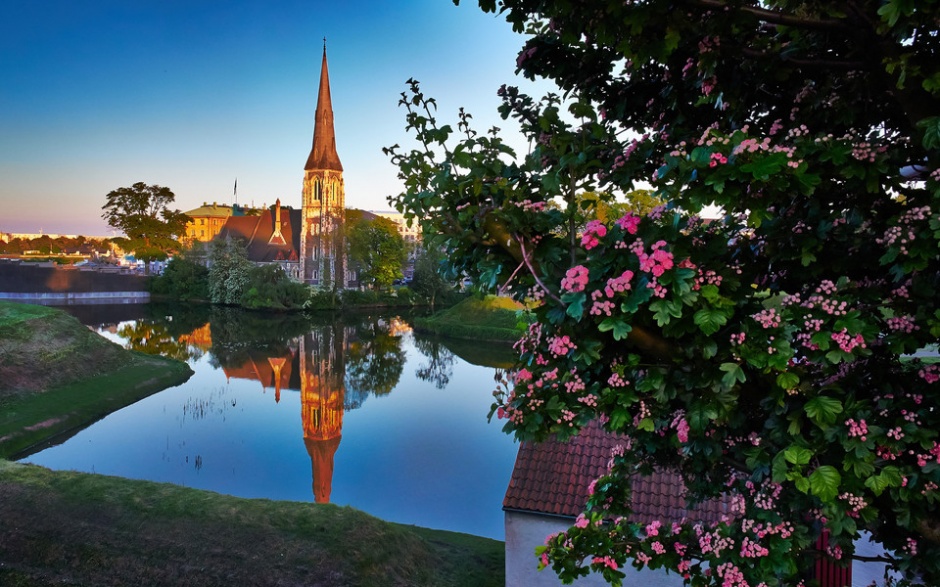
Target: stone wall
x=28 y=281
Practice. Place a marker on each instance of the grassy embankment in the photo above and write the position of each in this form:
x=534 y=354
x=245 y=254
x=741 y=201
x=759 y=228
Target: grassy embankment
x=78 y=529
x=56 y=376
x=491 y=318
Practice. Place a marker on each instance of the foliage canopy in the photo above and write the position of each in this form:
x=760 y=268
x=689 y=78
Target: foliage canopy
x=377 y=247
x=142 y=213
x=769 y=356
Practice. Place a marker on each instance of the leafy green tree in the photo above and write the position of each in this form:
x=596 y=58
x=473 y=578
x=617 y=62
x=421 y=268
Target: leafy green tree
x=183 y=278
x=379 y=250
x=228 y=271
x=769 y=357
x=150 y=227
x=428 y=280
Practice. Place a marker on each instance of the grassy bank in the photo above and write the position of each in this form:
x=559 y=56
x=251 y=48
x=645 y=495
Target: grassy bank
x=71 y=528
x=488 y=319
x=56 y=376
x=30 y=420
x=68 y=528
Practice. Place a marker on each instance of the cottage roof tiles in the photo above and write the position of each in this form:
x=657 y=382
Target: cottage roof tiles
x=552 y=477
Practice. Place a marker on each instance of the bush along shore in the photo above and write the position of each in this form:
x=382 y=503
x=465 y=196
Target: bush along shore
x=489 y=318
x=62 y=527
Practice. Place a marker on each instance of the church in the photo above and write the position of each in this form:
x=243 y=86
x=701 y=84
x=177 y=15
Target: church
x=308 y=243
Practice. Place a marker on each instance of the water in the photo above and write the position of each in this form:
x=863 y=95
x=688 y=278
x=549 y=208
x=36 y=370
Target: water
x=352 y=411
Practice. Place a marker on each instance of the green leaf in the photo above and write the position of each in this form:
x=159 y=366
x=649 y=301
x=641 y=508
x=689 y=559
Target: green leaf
x=788 y=380
x=665 y=310
x=709 y=349
x=764 y=167
x=779 y=468
x=646 y=424
x=620 y=328
x=798 y=455
x=823 y=410
x=824 y=482
x=733 y=372
x=801 y=482
x=889 y=477
x=710 y=320
x=931 y=128
x=575 y=303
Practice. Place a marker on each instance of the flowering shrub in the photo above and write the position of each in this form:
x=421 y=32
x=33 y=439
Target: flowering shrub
x=768 y=356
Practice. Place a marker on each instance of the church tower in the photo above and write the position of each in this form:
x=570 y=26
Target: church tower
x=323 y=262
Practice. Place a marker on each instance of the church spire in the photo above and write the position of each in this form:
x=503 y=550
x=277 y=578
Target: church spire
x=323 y=154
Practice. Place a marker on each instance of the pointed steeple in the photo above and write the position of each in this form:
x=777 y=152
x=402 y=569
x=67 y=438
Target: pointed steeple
x=323 y=154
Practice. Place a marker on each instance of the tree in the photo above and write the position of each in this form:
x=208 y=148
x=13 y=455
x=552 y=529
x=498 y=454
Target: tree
x=141 y=212
x=229 y=269
x=183 y=279
x=428 y=281
x=768 y=357
x=378 y=248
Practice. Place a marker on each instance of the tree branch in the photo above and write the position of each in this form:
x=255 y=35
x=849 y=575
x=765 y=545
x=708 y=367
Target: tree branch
x=779 y=18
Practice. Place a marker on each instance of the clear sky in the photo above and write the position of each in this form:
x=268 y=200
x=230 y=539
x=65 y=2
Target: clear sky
x=191 y=94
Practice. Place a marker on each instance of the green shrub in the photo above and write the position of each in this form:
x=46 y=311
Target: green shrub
x=183 y=279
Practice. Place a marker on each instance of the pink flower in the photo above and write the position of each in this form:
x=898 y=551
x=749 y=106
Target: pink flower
x=629 y=223
x=682 y=430
x=575 y=279
x=594 y=230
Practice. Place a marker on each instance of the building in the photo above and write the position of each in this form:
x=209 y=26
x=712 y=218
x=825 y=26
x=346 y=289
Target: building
x=308 y=243
x=269 y=237
x=323 y=260
x=549 y=487
x=207 y=221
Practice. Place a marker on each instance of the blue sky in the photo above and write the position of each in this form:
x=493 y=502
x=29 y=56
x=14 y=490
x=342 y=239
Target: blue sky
x=191 y=94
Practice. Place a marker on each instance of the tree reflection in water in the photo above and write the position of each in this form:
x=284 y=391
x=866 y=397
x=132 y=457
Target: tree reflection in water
x=440 y=365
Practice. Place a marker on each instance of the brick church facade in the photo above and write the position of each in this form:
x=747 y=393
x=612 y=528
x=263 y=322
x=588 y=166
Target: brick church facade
x=308 y=243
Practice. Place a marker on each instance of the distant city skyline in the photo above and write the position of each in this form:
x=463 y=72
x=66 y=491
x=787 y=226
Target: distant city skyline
x=192 y=95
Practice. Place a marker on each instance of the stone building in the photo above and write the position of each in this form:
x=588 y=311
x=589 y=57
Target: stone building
x=308 y=243
x=323 y=254
x=207 y=221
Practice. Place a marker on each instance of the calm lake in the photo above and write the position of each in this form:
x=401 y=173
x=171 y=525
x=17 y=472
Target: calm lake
x=351 y=410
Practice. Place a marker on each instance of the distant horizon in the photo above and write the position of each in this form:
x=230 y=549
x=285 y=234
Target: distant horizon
x=190 y=97
x=55 y=235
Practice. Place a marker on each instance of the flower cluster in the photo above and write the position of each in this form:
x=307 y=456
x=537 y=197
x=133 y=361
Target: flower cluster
x=594 y=231
x=576 y=279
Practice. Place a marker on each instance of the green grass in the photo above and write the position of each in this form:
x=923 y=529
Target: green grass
x=27 y=420
x=490 y=319
x=74 y=528
x=57 y=376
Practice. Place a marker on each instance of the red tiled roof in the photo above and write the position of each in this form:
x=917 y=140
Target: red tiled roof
x=258 y=230
x=552 y=477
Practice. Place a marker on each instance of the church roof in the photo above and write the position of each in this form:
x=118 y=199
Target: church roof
x=552 y=477
x=323 y=154
x=257 y=232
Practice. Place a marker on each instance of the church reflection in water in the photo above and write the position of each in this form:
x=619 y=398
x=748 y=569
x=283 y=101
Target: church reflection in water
x=315 y=365
x=335 y=363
